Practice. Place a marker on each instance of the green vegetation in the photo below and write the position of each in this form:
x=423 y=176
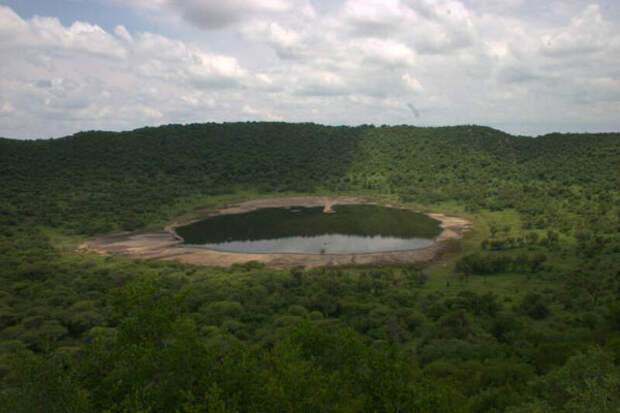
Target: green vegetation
x=521 y=315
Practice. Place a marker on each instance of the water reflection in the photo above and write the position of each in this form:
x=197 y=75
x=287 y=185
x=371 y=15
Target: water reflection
x=352 y=229
x=322 y=244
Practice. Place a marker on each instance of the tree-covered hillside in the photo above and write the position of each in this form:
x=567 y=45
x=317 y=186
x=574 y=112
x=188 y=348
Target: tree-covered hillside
x=107 y=180
x=521 y=315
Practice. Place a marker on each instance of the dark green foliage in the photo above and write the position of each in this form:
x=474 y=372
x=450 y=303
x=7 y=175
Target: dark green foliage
x=588 y=382
x=106 y=181
x=477 y=263
x=85 y=333
x=251 y=338
x=124 y=180
x=535 y=306
x=46 y=383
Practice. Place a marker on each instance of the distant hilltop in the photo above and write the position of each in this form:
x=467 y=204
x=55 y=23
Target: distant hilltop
x=115 y=173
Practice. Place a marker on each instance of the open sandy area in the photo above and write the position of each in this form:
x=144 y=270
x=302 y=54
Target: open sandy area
x=166 y=244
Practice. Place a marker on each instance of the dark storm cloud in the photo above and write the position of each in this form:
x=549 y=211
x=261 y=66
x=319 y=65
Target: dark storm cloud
x=218 y=14
x=210 y=14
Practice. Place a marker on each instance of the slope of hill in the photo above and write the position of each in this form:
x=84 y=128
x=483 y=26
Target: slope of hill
x=521 y=315
x=107 y=180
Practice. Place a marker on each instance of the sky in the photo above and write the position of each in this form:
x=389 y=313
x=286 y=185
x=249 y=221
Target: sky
x=527 y=67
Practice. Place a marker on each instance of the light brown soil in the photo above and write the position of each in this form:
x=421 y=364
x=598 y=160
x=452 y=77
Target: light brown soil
x=305 y=201
x=165 y=244
x=453 y=227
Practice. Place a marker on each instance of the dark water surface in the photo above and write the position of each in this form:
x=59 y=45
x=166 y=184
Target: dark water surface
x=352 y=229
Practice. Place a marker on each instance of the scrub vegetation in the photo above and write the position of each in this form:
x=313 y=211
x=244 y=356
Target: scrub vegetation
x=521 y=315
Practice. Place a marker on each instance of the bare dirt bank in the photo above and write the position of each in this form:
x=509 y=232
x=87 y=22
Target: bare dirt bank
x=166 y=244
x=305 y=201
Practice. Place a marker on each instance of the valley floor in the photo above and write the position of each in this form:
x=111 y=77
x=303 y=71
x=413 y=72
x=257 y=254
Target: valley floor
x=166 y=244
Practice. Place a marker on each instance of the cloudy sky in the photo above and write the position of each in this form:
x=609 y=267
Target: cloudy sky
x=525 y=66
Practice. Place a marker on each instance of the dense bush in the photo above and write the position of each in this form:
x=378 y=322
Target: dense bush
x=83 y=333
x=477 y=263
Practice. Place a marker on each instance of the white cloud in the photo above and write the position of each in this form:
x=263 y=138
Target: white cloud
x=515 y=65
x=440 y=26
x=587 y=33
x=249 y=110
x=215 y=71
x=412 y=83
x=150 y=112
x=59 y=79
x=260 y=114
x=6 y=108
x=11 y=24
x=286 y=42
x=387 y=52
x=48 y=32
x=373 y=17
x=123 y=33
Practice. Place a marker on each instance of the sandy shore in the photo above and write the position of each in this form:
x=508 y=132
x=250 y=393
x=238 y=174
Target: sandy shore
x=166 y=244
x=305 y=201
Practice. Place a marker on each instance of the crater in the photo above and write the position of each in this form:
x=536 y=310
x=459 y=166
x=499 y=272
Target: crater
x=345 y=229
x=298 y=231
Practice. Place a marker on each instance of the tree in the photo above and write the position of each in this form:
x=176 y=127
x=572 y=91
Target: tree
x=534 y=306
x=588 y=382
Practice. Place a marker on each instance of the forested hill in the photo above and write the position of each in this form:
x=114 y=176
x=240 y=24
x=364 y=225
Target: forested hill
x=521 y=315
x=106 y=180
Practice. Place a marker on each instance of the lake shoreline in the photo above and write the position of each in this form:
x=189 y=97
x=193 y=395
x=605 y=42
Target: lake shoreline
x=166 y=244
